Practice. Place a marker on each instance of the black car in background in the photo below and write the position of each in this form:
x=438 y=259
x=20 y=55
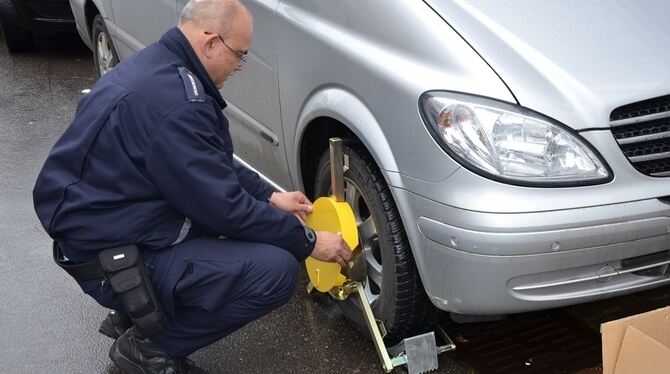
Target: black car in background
x=20 y=20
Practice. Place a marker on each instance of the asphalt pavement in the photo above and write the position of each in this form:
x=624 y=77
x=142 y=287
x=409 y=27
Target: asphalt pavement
x=48 y=325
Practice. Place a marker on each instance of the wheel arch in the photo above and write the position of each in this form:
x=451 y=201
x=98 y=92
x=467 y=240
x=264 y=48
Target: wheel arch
x=336 y=112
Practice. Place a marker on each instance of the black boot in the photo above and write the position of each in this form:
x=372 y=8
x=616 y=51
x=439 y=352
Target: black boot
x=115 y=324
x=135 y=354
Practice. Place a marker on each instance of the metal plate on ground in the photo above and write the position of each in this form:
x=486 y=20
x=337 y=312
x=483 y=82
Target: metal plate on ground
x=421 y=353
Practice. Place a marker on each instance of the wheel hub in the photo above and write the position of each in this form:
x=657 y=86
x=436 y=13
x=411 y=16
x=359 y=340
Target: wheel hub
x=105 y=56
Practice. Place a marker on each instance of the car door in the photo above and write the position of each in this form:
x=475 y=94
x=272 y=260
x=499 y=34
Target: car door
x=253 y=100
x=142 y=21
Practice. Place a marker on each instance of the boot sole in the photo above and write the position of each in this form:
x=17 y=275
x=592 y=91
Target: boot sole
x=108 y=332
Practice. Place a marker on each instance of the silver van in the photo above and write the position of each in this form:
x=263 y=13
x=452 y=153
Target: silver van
x=505 y=156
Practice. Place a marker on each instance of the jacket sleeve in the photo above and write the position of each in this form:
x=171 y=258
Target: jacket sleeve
x=252 y=183
x=188 y=161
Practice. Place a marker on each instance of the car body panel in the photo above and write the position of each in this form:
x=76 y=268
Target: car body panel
x=46 y=17
x=320 y=42
x=132 y=27
x=493 y=263
x=574 y=61
x=481 y=246
x=253 y=97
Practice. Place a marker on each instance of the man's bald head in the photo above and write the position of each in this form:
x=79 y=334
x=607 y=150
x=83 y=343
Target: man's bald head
x=211 y=14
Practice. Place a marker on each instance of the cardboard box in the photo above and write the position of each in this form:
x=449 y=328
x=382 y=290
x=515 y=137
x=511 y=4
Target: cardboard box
x=638 y=344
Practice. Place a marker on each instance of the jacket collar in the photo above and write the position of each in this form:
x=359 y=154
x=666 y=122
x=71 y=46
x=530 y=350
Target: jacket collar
x=176 y=42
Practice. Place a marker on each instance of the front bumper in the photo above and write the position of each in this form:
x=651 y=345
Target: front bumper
x=483 y=263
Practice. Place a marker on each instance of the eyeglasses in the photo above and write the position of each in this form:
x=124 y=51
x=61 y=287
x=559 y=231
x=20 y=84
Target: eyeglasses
x=242 y=57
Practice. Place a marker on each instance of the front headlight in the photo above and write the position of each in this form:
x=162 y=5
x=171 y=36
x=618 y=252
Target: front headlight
x=509 y=143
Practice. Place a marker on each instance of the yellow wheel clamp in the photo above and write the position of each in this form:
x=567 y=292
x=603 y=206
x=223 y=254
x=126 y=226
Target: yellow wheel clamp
x=334 y=214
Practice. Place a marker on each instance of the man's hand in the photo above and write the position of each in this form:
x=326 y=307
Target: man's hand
x=331 y=247
x=293 y=202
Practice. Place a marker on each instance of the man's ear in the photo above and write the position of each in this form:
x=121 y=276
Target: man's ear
x=207 y=45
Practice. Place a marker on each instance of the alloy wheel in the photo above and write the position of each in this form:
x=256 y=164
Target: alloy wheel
x=105 y=55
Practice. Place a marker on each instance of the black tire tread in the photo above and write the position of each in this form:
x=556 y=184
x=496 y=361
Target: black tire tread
x=413 y=311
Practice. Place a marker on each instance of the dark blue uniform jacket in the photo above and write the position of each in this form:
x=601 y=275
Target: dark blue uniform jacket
x=148 y=160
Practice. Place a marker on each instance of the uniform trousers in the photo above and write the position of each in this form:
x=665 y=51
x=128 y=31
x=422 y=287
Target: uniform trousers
x=210 y=287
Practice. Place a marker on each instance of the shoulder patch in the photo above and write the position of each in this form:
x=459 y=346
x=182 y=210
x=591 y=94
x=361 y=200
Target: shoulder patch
x=194 y=91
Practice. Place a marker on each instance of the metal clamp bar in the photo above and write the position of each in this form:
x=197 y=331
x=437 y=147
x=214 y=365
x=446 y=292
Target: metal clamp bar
x=374 y=329
x=336 y=169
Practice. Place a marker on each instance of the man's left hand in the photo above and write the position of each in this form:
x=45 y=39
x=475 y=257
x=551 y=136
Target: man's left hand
x=293 y=202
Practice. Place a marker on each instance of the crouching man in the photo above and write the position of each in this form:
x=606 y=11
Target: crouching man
x=152 y=216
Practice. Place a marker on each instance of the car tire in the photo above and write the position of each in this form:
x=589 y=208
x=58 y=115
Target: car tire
x=395 y=291
x=16 y=37
x=104 y=54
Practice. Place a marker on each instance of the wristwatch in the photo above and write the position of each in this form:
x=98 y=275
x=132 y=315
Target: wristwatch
x=310 y=235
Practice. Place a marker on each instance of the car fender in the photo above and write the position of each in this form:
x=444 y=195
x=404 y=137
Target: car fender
x=344 y=106
x=84 y=18
x=78 y=12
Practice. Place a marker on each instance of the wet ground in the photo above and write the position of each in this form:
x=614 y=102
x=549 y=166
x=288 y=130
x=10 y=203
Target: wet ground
x=47 y=325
